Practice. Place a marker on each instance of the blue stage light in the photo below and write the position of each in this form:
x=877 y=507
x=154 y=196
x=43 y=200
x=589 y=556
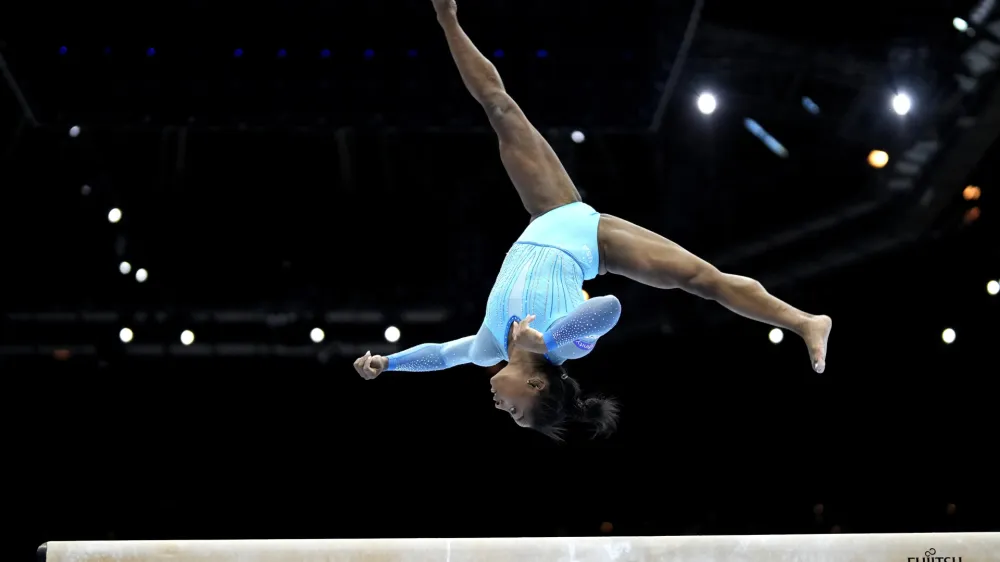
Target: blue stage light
x=498 y=53
x=412 y=53
x=282 y=53
x=369 y=53
x=150 y=52
x=62 y=50
x=325 y=53
x=542 y=53
x=238 y=53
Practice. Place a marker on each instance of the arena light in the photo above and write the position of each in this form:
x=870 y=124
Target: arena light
x=74 y=131
x=141 y=275
x=578 y=136
x=901 y=103
x=810 y=105
x=707 y=103
x=125 y=267
x=776 y=336
x=125 y=335
x=960 y=24
x=993 y=287
x=392 y=334
x=187 y=337
x=948 y=336
x=878 y=158
x=772 y=144
x=114 y=215
x=316 y=335
x=971 y=193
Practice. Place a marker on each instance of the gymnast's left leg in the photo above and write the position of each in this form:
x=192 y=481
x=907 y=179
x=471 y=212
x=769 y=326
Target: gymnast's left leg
x=644 y=256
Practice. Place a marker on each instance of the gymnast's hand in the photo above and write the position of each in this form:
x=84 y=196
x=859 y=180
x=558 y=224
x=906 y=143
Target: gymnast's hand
x=370 y=366
x=526 y=337
x=445 y=6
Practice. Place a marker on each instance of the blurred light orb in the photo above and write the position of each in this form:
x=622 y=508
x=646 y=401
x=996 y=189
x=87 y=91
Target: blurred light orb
x=776 y=336
x=392 y=334
x=316 y=335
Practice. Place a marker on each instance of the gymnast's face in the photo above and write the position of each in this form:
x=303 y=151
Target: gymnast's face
x=515 y=389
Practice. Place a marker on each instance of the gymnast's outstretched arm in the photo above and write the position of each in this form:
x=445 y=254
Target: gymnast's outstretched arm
x=480 y=349
x=532 y=165
x=423 y=357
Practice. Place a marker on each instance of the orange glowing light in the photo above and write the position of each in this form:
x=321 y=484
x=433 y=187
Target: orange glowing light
x=878 y=159
x=971 y=193
x=972 y=214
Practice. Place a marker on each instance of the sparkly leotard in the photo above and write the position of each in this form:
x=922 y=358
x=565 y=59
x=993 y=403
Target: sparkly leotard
x=543 y=275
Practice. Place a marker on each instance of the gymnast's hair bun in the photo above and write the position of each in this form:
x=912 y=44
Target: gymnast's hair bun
x=600 y=412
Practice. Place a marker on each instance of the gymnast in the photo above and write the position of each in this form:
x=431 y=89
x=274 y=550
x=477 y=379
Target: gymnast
x=536 y=315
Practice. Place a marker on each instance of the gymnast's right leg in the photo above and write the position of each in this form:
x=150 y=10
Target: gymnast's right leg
x=533 y=167
x=644 y=256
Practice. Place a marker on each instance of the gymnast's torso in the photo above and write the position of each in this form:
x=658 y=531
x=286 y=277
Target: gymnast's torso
x=533 y=279
x=543 y=275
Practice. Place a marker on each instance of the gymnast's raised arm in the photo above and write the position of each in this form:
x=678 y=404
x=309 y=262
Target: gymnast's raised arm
x=532 y=165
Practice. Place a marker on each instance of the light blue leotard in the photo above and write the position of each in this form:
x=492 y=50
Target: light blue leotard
x=543 y=275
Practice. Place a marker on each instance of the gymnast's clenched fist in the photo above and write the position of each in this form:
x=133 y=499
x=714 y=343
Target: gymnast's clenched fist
x=370 y=366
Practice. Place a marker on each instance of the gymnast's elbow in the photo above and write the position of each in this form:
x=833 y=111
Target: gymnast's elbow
x=612 y=306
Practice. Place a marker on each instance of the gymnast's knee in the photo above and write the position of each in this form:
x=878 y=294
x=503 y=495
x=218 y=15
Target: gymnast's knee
x=707 y=282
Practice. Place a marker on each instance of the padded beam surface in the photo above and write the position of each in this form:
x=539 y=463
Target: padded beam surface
x=951 y=547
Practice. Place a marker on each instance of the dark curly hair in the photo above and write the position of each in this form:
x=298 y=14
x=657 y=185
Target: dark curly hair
x=562 y=401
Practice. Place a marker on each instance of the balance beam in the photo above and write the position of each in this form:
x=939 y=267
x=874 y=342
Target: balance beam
x=935 y=547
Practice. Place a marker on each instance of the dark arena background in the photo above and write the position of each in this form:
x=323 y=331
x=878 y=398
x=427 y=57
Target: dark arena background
x=211 y=209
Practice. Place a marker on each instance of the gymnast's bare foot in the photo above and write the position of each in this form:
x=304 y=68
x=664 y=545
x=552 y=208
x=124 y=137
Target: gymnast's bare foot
x=816 y=331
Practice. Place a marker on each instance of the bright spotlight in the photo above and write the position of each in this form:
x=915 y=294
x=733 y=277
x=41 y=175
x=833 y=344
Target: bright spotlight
x=316 y=335
x=74 y=131
x=187 y=337
x=392 y=334
x=878 y=159
x=125 y=267
x=114 y=215
x=776 y=336
x=960 y=24
x=141 y=275
x=578 y=136
x=993 y=287
x=901 y=104
x=125 y=335
x=707 y=103
x=948 y=336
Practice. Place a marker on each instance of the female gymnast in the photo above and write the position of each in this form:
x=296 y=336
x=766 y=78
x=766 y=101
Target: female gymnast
x=536 y=315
